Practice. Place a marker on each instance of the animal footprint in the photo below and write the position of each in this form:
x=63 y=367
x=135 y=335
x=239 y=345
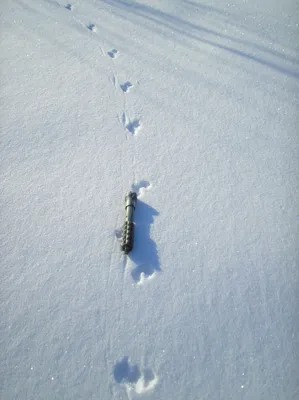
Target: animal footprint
x=133 y=379
x=140 y=187
x=125 y=87
x=92 y=27
x=113 y=53
x=142 y=272
x=118 y=233
x=69 y=7
x=131 y=126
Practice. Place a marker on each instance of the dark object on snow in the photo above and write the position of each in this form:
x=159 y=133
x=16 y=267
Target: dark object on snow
x=128 y=228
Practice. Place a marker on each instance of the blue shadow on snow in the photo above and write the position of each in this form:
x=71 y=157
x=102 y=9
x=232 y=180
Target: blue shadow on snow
x=144 y=253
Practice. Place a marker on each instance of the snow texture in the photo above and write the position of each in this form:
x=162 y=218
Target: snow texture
x=192 y=104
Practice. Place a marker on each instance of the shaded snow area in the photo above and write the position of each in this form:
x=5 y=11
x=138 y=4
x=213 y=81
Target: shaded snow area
x=192 y=105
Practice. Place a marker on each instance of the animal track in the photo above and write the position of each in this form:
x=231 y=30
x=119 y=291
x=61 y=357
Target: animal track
x=113 y=53
x=133 y=379
x=113 y=80
x=125 y=87
x=140 y=273
x=140 y=187
x=131 y=126
x=69 y=7
x=92 y=27
x=118 y=233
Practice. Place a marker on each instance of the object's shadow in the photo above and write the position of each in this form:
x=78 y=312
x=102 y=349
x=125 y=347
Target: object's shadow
x=144 y=253
x=124 y=372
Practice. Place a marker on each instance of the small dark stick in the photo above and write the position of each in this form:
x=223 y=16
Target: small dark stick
x=128 y=229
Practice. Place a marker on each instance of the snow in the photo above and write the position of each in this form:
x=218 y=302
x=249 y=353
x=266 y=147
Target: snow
x=193 y=105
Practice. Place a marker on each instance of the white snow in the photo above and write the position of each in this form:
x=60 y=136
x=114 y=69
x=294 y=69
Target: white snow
x=192 y=104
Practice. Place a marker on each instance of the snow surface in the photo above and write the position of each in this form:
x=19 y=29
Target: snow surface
x=193 y=105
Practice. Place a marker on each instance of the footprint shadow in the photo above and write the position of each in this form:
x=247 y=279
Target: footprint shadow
x=133 y=126
x=92 y=27
x=140 y=381
x=124 y=372
x=144 y=254
x=125 y=87
x=113 y=53
x=140 y=187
